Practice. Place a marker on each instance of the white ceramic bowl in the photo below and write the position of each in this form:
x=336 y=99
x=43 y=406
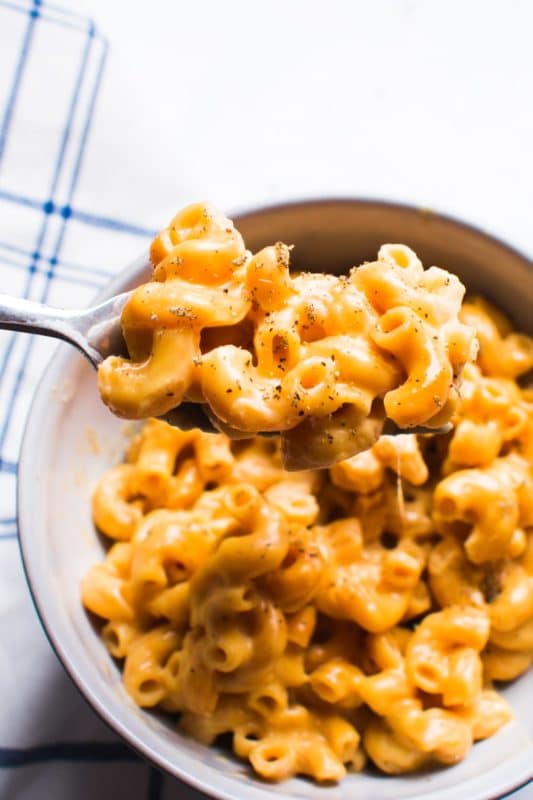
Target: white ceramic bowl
x=60 y=464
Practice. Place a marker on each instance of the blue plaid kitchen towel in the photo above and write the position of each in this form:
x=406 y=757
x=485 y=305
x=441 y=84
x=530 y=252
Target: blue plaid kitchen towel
x=51 y=65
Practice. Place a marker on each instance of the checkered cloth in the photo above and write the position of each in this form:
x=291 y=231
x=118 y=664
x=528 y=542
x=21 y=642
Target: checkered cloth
x=51 y=64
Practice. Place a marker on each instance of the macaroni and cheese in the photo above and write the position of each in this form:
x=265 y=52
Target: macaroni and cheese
x=320 y=358
x=328 y=617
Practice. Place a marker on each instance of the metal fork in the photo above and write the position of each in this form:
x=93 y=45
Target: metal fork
x=96 y=332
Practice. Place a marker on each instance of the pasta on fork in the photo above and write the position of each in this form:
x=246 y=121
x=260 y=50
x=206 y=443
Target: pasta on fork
x=318 y=358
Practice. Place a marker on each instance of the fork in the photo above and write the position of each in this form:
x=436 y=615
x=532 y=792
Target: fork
x=96 y=333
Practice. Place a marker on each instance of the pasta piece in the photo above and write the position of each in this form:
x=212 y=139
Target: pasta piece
x=145 y=676
x=502 y=352
x=487 y=714
x=486 y=505
x=116 y=508
x=442 y=657
x=373 y=589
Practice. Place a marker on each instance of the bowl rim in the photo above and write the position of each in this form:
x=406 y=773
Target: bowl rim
x=145 y=751
x=414 y=209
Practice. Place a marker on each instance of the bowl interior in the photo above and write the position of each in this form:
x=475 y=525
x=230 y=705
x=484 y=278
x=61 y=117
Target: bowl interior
x=71 y=439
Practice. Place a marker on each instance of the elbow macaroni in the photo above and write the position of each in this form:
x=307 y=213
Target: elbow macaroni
x=324 y=618
x=319 y=358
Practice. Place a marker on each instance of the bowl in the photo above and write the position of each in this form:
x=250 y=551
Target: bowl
x=71 y=438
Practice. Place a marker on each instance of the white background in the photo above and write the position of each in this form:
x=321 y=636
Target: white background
x=244 y=102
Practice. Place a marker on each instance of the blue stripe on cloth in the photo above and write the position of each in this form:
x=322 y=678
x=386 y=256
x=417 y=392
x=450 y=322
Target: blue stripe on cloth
x=73 y=279
x=10 y=467
x=29 y=202
x=12 y=263
x=106 y=273
x=66 y=751
x=40 y=237
x=64 y=11
x=11 y=248
x=14 y=391
x=81 y=149
x=65 y=19
x=8 y=529
x=5 y=361
x=94 y=283
x=155 y=784
x=112 y=224
x=90 y=268
x=67 y=128
x=19 y=71
x=96 y=220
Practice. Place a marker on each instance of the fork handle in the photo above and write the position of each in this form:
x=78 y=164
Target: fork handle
x=19 y=314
